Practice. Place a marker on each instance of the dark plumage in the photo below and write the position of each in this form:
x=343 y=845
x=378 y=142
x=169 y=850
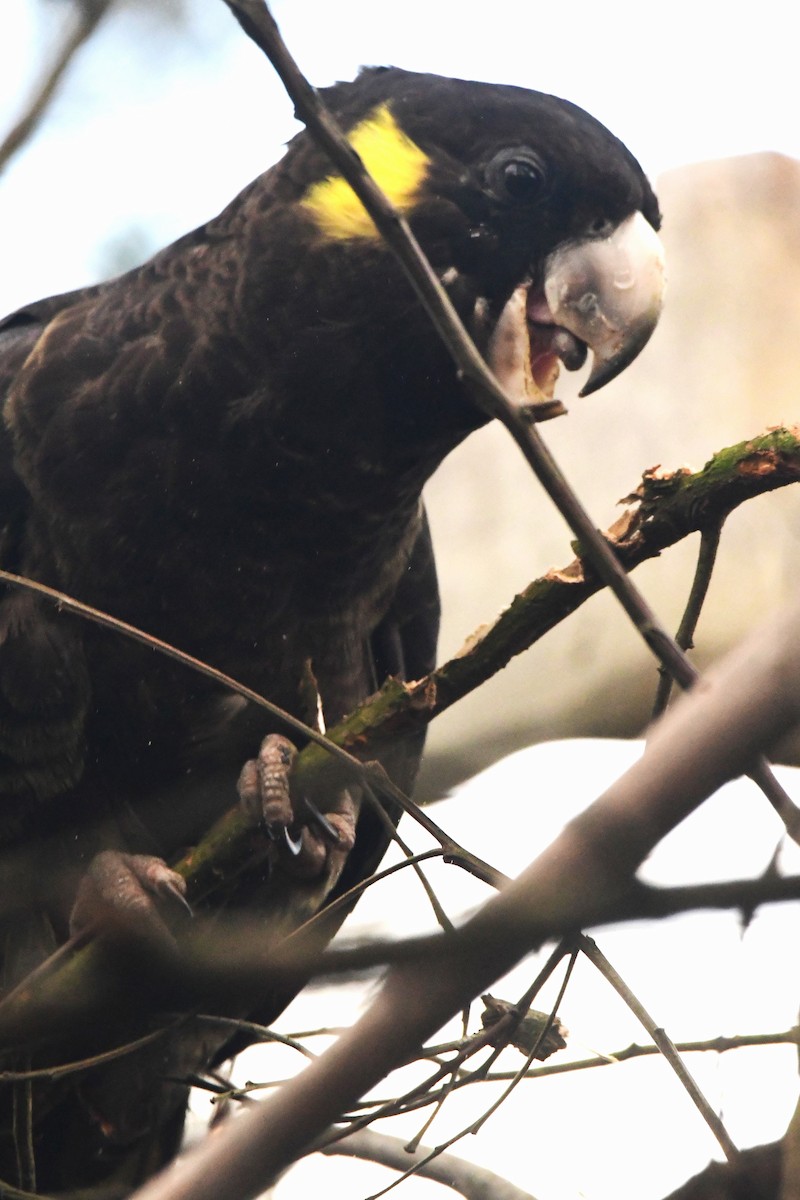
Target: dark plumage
x=227 y=446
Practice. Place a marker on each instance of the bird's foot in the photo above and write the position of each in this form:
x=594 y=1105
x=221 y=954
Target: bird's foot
x=133 y=894
x=305 y=841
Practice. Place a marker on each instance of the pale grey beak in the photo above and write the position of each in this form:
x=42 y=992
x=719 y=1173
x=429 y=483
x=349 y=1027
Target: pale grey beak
x=608 y=293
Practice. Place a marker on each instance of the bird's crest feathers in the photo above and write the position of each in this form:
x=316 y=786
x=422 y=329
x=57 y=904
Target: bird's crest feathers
x=396 y=164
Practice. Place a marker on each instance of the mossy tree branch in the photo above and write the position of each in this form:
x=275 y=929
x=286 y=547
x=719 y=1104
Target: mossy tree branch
x=664 y=509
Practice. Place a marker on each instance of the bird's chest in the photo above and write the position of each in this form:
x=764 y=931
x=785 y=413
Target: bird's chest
x=300 y=575
x=269 y=565
x=275 y=605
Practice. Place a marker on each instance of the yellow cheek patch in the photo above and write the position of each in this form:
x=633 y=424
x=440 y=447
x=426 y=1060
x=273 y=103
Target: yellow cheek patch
x=397 y=165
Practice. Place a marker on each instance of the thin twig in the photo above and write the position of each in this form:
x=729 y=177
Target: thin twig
x=348 y=898
x=718 y=1045
x=259 y=1033
x=475 y=1126
x=706 y=557
x=508 y=1026
x=257 y=21
x=84 y=1064
x=543 y=1032
x=414 y=1142
x=467 y=1050
x=368 y=775
x=761 y=774
x=89 y=17
x=664 y=1043
x=752 y=698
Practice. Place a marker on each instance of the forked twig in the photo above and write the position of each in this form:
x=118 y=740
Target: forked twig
x=475 y=1126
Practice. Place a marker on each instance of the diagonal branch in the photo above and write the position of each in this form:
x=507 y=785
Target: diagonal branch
x=257 y=21
x=684 y=636
x=708 y=738
x=90 y=13
x=667 y=508
x=664 y=1043
x=237 y=958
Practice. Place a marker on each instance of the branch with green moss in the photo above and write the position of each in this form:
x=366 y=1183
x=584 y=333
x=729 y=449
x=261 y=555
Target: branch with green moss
x=663 y=510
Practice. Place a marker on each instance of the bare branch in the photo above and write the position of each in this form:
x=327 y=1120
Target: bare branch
x=472 y=1182
x=423 y=1094
x=665 y=1045
x=201 y=866
x=257 y=21
x=90 y=13
x=706 y=558
x=717 y=1045
x=666 y=509
x=708 y=738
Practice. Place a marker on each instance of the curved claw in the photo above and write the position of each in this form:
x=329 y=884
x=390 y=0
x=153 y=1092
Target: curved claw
x=167 y=888
x=278 y=831
x=294 y=846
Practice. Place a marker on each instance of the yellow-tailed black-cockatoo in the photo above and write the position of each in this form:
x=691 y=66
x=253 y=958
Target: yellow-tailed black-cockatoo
x=226 y=447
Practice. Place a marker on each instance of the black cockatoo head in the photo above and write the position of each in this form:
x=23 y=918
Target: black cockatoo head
x=538 y=220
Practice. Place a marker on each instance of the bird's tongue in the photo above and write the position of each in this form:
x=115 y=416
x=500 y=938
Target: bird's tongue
x=526 y=350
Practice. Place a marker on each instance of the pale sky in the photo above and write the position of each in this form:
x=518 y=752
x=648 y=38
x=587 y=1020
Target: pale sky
x=159 y=126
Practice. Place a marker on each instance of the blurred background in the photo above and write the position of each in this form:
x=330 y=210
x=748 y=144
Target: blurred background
x=167 y=110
